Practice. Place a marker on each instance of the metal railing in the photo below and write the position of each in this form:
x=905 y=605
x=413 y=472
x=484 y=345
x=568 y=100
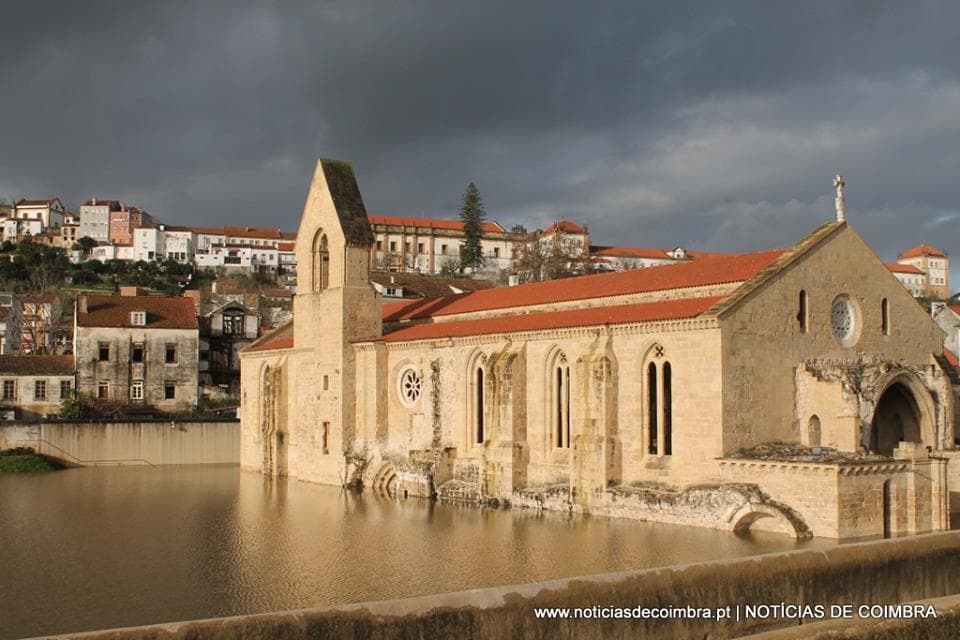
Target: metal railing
x=101 y=462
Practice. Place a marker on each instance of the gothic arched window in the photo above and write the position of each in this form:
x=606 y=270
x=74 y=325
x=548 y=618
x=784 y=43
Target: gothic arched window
x=478 y=405
x=560 y=405
x=321 y=263
x=659 y=400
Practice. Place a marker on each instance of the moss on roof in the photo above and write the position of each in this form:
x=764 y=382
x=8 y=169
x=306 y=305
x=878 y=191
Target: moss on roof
x=347 y=199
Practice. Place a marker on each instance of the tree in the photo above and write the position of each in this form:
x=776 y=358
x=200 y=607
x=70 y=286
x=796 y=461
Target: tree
x=550 y=257
x=472 y=215
x=84 y=244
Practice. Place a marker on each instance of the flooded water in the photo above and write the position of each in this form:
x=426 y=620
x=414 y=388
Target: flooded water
x=97 y=548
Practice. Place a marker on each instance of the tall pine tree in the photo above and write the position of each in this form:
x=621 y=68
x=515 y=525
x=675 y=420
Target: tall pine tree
x=472 y=215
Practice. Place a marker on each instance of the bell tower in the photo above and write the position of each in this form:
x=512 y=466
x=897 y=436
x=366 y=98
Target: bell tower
x=334 y=305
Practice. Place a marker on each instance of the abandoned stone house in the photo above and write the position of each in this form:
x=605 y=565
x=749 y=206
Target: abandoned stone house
x=137 y=349
x=225 y=329
x=654 y=393
x=33 y=387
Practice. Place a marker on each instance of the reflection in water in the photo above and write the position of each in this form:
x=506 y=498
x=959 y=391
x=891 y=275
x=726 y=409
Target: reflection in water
x=97 y=548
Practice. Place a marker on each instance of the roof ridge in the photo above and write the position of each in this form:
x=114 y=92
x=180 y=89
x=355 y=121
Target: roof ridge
x=784 y=260
x=270 y=334
x=678 y=276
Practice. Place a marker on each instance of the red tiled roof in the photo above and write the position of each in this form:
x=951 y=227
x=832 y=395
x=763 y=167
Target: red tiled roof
x=286 y=246
x=566 y=226
x=902 y=268
x=644 y=252
x=162 y=312
x=430 y=223
x=210 y=231
x=955 y=308
x=951 y=358
x=34 y=203
x=630 y=252
x=621 y=314
x=280 y=338
x=99 y=202
x=923 y=250
x=278 y=343
x=696 y=273
x=703 y=255
x=253 y=232
x=36 y=365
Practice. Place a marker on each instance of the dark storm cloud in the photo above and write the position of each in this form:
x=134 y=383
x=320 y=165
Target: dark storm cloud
x=700 y=124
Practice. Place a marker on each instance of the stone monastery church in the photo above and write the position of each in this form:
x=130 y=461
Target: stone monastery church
x=801 y=390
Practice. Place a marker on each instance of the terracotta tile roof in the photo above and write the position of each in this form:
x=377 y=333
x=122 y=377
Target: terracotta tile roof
x=36 y=365
x=209 y=231
x=431 y=223
x=645 y=252
x=421 y=286
x=34 y=203
x=629 y=252
x=703 y=255
x=951 y=358
x=566 y=226
x=253 y=232
x=955 y=308
x=101 y=202
x=902 y=268
x=279 y=338
x=621 y=314
x=923 y=250
x=696 y=273
x=162 y=312
x=286 y=246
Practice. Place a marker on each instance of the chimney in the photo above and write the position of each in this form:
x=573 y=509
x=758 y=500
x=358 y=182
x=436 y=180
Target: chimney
x=81 y=304
x=194 y=295
x=132 y=292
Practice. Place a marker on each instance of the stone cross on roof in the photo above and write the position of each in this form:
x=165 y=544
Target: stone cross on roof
x=841 y=210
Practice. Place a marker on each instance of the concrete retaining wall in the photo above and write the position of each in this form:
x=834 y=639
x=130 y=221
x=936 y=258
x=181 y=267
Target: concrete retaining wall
x=113 y=443
x=880 y=572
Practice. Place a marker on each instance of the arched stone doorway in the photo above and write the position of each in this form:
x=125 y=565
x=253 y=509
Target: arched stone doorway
x=898 y=417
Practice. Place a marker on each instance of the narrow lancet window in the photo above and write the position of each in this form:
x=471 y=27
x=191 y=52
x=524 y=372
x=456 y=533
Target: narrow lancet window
x=321 y=264
x=802 y=312
x=558 y=394
x=479 y=406
x=653 y=411
x=667 y=410
x=885 y=316
x=566 y=403
x=561 y=406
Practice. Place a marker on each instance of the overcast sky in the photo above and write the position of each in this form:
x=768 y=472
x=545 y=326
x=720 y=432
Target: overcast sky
x=707 y=125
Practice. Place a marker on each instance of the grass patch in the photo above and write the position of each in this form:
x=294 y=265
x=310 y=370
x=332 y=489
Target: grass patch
x=24 y=460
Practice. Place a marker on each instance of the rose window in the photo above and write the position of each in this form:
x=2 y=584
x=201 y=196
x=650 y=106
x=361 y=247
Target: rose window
x=409 y=386
x=842 y=319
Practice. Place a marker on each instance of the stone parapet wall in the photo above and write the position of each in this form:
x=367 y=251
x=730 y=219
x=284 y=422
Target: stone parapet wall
x=856 y=500
x=881 y=572
x=128 y=443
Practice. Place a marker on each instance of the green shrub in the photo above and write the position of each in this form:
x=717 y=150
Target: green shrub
x=25 y=464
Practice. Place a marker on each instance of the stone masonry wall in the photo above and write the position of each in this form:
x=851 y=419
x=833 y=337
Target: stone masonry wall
x=128 y=443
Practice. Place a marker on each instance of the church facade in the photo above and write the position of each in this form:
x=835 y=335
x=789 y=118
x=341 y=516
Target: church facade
x=800 y=390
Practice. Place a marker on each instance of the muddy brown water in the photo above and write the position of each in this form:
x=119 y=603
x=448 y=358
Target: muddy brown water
x=97 y=548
